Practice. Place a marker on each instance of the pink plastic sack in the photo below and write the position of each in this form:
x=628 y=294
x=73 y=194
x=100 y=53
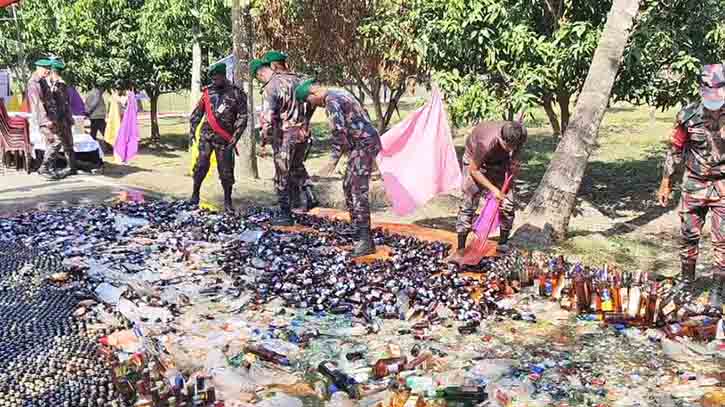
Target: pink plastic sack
x=488 y=220
x=418 y=160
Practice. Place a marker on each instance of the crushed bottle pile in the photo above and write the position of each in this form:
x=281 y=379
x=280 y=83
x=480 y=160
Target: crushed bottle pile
x=159 y=304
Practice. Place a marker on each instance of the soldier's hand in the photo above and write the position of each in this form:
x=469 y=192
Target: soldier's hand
x=664 y=193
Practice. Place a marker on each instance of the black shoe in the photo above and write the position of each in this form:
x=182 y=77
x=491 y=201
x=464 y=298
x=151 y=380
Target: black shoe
x=462 y=237
x=365 y=245
x=283 y=219
x=312 y=201
x=682 y=290
x=194 y=200
x=717 y=293
x=228 y=206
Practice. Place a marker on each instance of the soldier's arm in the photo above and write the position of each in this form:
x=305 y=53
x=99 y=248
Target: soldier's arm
x=336 y=116
x=272 y=126
x=240 y=124
x=196 y=115
x=673 y=157
x=36 y=105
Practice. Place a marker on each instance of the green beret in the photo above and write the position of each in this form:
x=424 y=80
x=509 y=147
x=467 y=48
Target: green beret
x=255 y=65
x=44 y=62
x=57 y=65
x=274 y=56
x=218 y=69
x=303 y=90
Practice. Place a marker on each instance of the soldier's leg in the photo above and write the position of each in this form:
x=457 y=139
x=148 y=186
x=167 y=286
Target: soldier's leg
x=466 y=212
x=347 y=180
x=717 y=293
x=297 y=173
x=304 y=180
x=281 y=180
x=225 y=167
x=692 y=217
x=66 y=132
x=507 y=214
x=359 y=168
x=201 y=167
x=52 y=149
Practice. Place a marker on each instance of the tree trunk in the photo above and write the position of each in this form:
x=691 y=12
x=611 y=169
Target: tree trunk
x=546 y=218
x=195 y=76
x=392 y=106
x=155 y=134
x=548 y=104
x=563 y=98
x=247 y=164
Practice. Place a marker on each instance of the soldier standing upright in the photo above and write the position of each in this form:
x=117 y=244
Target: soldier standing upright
x=698 y=141
x=38 y=93
x=491 y=152
x=225 y=108
x=284 y=126
x=300 y=180
x=62 y=115
x=354 y=134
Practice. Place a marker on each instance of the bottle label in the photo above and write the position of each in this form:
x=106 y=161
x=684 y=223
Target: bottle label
x=394 y=368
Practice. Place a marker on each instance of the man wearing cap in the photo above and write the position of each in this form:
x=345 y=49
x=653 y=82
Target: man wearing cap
x=491 y=153
x=284 y=126
x=278 y=62
x=225 y=108
x=354 y=134
x=62 y=115
x=698 y=141
x=39 y=97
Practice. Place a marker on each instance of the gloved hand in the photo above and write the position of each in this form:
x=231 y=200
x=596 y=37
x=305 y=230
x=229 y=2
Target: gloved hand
x=192 y=138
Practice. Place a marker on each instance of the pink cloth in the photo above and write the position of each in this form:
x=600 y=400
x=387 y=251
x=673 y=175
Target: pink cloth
x=126 y=145
x=418 y=160
x=488 y=220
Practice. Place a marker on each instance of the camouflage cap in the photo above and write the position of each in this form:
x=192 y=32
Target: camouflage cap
x=274 y=56
x=303 y=90
x=218 y=69
x=255 y=65
x=712 y=86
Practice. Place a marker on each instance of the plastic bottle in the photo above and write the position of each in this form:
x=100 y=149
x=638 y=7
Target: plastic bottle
x=339 y=379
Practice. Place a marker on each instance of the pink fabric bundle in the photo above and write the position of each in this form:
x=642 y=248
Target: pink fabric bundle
x=418 y=160
x=488 y=220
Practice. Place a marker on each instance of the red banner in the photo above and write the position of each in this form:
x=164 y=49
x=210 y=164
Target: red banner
x=211 y=119
x=5 y=3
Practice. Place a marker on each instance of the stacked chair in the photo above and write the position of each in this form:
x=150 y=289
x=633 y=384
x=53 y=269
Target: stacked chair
x=14 y=138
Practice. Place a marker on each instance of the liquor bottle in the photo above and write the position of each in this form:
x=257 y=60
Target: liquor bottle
x=389 y=366
x=635 y=298
x=465 y=394
x=580 y=289
x=652 y=301
x=341 y=380
x=267 y=355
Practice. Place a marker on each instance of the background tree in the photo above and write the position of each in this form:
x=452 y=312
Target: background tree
x=368 y=43
x=243 y=46
x=547 y=214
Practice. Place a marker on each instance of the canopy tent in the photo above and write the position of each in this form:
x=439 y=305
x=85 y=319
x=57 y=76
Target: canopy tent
x=6 y=3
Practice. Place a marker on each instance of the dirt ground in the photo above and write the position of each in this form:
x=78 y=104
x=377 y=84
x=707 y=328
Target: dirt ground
x=616 y=220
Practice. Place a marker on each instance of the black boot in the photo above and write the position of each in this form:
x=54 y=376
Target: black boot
x=688 y=271
x=683 y=290
x=462 y=237
x=228 y=206
x=194 y=200
x=284 y=218
x=312 y=201
x=503 y=241
x=365 y=244
x=295 y=197
x=72 y=166
x=45 y=172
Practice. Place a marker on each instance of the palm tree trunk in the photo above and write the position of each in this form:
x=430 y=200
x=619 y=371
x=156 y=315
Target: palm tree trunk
x=246 y=166
x=546 y=218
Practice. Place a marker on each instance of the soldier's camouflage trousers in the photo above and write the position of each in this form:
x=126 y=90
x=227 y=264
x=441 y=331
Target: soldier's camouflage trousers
x=53 y=143
x=65 y=133
x=289 y=167
x=693 y=210
x=471 y=202
x=224 y=152
x=356 y=185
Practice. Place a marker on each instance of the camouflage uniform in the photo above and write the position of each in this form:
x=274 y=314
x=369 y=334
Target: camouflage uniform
x=702 y=150
x=483 y=148
x=286 y=126
x=229 y=104
x=42 y=106
x=62 y=117
x=353 y=133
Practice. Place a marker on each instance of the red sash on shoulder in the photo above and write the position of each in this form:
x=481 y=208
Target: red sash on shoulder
x=211 y=119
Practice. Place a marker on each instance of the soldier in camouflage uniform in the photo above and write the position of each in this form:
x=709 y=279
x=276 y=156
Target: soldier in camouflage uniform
x=225 y=108
x=39 y=99
x=285 y=127
x=491 y=152
x=278 y=62
x=698 y=141
x=354 y=134
x=62 y=115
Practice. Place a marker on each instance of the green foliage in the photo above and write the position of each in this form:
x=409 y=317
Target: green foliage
x=468 y=98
